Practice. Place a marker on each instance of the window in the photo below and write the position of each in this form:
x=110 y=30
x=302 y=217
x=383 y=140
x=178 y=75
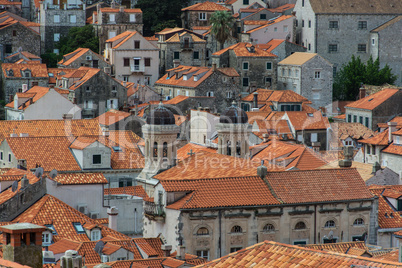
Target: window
x=268 y=80
x=46 y=238
x=332 y=48
x=95 y=235
x=202 y=231
x=56 y=37
x=355 y=118
x=299 y=242
x=114 y=89
x=268 y=228
x=275 y=29
x=309 y=46
x=245 y=81
x=285 y=28
x=137 y=44
x=78 y=227
x=334 y=71
x=238 y=29
x=9 y=48
x=236 y=229
x=358 y=238
x=229 y=94
x=203 y=16
x=56 y=18
x=196 y=55
x=87 y=89
x=111 y=17
x=147 y=62
x=329 y=224
x=269 y=65
x=88 y=104
x=362 y=24
x=368 y=149
x=302 y=6
x=155 y=153
x=263 y=16
x=245 y=65
x=235 y=249
x=176 y=55
x=203 y=254
x=302 y=23
x=56 y=51
x=317 y=74
x=309 y=23
x=209 y=94
x=333 y=24
x=132 y=17
x=349 y=118
x=125 y=78
x=126 y=62
x=358 y=221
x=9 y=157
x=361 y=119
x=297 y=23
x=96 y=159
x=229 y=149
x=1 y=156
x=361 y=48
x=328 y=241
x=373 y=41
x=316 y=95
x=313 y=137
x=300 y=225
x=73 y=18
x=246 y=2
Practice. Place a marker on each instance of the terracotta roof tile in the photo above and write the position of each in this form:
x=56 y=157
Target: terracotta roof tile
x=184 y=152
x=35 y=93
x=83 y=74
x=388 y=217
x=271 y=22
x=298 y=58
x=365 y=170
x=283 y=8
x=397 y=119
x=8 y=193
x=359 y=7
x=176 y=38
x=80 y=178
x=111 y=117
x=205 y=6
x=180 y=119
x=307 y=121
x=229 y=71
x=177 y=100
x=37 y=70
x=379 y=139
x=122 y=38
x=117 y=10
x=63 y=245
x=342 y=247
x=392 y=256
x=128 y=190
x=172 y=80
x=174 y=263
x=275 y=254
x=373 y=101
x=242 y=50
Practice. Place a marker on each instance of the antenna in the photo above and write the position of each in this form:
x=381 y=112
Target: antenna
x=14 y=187
x=39 y=172
x=53 y=174
x=99 y=247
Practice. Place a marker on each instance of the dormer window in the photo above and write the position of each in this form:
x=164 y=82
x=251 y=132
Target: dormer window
x=27 y=73
x=96 y=159
x=46 y=238
x=95 y=234
x=78 y=227
x=10 y=72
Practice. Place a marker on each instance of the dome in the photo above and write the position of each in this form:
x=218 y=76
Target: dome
x=161 y=116
x=234 y=115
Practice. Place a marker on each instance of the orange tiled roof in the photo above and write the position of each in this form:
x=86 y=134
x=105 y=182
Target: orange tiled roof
x=256 y=115
x=174 y=263
x=354 y=130
x=397 y=119
x=388 y=217
x=379 y=139
x=71 y=57
x=275 y=254
x=151 y=38
x=205 y=6
x=184 y=152
x=242 y=50
x=389 y=256
x=177 y=99
x=35 y=93
x=307 y=121
x=56 y=73
x=111 y=117
x=173 y=81
x=274 y=43
x=37 y=70
x=271 y=22
x=176 y=38
x=342 y=247
x=83 y=74
x=128 y=190
x=122 y=38
x=117 y=10
x=373 y=101
x=282 y=8
x=180 y=119
x=8 y=193
x=341 y=116
x=80 y=178
x=221 y=192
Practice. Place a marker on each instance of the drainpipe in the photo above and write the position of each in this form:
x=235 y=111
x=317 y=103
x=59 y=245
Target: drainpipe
x=315 y=224
x=220 y=233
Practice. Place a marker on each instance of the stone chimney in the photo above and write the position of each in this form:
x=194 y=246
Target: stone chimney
x=348 y=153
x=214 y=67
x=24 y=182
x=376 y=167
x=255 y=99
x=181 y=252
x=262 y=170
x=166 y=250
x=265 y=137
x=71 y=259
x=362 y=92
x=113 y=212
x=391 y=128
x=67 y=116
x=106 y=131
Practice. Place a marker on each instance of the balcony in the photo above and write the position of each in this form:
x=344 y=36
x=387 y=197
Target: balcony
x=187 y=45
x=154 y=211
x=137 y=69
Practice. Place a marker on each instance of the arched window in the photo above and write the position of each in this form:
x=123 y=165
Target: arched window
x=155 y=149
x=236 y=229
x=300 y=225
x=329 y=224
x=268 y=228
x=228 y=149
x=202 y=231
x=238 y=148
x=358 y=221
x=165 y=149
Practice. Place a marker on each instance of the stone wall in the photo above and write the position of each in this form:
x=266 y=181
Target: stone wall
x=26 y=255
x=10 y=86
x=82 y=61
x=104 y=29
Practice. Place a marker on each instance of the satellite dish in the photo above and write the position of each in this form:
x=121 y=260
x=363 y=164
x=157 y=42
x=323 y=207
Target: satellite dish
x=14 y=187
x=53 y=174
x=331 y=235
x=39 y=172
x=99 y=247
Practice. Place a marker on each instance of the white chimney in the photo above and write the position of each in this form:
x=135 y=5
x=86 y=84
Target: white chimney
x=391 y=128
x=113 y=212
x=181 y=252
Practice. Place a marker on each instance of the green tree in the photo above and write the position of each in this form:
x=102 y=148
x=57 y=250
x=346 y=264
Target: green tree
x=158 y=14
x=79 y=37
x=222 y=23
x=355 y=73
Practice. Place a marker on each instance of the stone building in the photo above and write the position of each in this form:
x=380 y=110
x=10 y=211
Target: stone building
x=282 y=48
x=199 y=14
x=94 y=91
x=83 y=57
x=112 y=21
x=21 y=77
x=17 y=34
x=341 y=29
x=309 y=75
x=376 y=108
x=220 y=83
x=382 y=46
x=181 y=47
x=255 y=66
x=56 y=20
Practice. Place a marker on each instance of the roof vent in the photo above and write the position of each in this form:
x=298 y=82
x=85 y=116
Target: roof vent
x=262 y=170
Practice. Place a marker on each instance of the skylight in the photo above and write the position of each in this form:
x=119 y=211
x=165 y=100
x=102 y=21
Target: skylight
x=78 y=227
x=371 y=99
x=116 y=148
x=310 y=114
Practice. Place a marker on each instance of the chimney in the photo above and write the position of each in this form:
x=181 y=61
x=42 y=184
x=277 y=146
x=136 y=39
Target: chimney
x=98 y=7
x=391 y=128
x=67 y=116
x=255 y=100
x=262 y=170
x=316 y=146
x=113 y=212
x=71 y=259
x=181 y=252
x=166 y=250
x=124 y=83
x=207 y=109
x=105 y=132
x=113 y=5
x=376 y=167
x=176 y=63
x=121 y=8
x=362 y=92
x=214 y=67
x=13 y=135
x=10 y=98
x=24 y=182
x=265 y=137
x=16 y=104
x=30 y=101
x=22 y=164
x=348 y=153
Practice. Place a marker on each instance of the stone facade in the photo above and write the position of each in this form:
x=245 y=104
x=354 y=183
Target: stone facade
x=286 y=48
x=55 y=24
x=191 y=18
x=18 y=36
x=88 y=59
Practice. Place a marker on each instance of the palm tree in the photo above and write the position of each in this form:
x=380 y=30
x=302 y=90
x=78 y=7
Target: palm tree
x=222 y=22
